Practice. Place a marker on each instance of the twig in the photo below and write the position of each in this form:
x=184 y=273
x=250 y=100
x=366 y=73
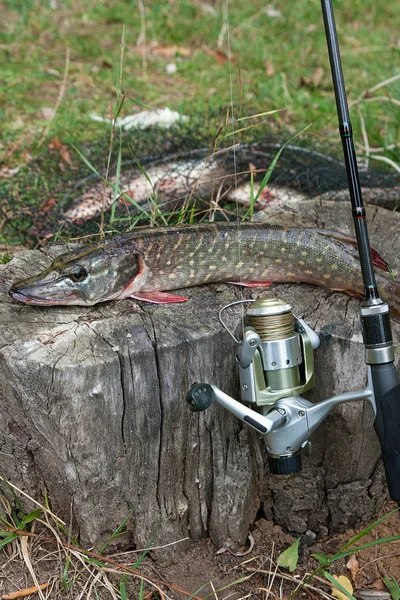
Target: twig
x=46 y=510
x=25 y=592
x=292 y=579
x=142 y=37
x=366 y=94
x=221 y=36
x=114 y=123
x=26 y=557
x=379 y=148
x=59 y=98
x=140 y=550
x=387 y=160
x=364 y=134
x=93 y=583
x=102 y=558
x=382 y=99
x=214 y=591
x=383 y=83
x=370 y=562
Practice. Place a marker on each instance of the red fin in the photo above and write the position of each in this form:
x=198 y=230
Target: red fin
x=378 y=261
x=158 y=297
x=253 y=284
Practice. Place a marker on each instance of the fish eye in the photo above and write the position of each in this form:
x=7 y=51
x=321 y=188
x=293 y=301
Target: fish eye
x=78 y=274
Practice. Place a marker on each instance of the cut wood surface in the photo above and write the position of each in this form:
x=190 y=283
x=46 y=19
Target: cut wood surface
x=92 y=405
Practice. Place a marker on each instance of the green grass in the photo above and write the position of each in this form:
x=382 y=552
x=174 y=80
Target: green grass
x=35 y=38
x=61 y=64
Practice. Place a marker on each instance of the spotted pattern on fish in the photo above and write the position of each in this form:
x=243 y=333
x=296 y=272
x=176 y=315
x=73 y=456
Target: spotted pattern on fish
x=149 y=263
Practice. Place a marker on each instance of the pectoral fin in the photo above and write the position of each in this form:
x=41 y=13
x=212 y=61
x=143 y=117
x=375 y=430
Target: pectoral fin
x=158 y=297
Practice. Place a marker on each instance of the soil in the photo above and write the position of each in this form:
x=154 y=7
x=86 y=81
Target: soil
x=204 y=571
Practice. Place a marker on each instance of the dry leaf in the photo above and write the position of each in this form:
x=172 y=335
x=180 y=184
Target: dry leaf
x=7 y=172
x=105 y=64
x=353 y=566
x=269 y=68
x=56 y=144
x=47 y=204
x=47 y=112
x=346 y=584
x=16 y=124
x=65 y=155
x=220 y=57
x=378 y=584
x=270 y=11
x=52 y=72
x=314 y=80
x=317 y=76
x=171 y=50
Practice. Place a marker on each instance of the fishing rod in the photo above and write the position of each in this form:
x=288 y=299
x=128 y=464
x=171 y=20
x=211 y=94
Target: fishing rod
x=374 y=313
x=276 y=354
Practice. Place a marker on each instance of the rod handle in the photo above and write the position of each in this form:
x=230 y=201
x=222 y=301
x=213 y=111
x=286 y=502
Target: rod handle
x=387 y=423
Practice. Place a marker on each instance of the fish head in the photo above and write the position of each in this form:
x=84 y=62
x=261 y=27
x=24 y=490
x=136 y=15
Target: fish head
x=84 y=276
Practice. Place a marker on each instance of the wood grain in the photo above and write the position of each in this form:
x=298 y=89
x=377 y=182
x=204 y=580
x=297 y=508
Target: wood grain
x=92 y=405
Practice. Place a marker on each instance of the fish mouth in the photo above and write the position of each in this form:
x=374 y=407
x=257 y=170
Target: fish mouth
x=28 y=298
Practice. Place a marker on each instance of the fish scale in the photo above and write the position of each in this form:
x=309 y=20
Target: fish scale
x=146 y=264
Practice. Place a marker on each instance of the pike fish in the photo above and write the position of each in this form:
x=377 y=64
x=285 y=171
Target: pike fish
x=148 y=264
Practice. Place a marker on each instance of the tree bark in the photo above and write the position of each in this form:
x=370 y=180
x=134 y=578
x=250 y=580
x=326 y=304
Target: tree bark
x=92 y=405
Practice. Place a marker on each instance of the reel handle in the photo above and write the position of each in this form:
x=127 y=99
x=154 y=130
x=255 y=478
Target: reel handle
x=387 y=422
x=200 y=397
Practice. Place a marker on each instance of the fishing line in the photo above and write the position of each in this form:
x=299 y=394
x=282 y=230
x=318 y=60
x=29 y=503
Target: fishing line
x=235 y=175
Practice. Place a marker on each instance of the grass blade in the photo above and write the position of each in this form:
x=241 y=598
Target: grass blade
x=10 y=537
x=117 y=179
x=144 y=213
x=393 y=587
x=145 y=552
x=338 y=585
x=141 y=590
x=271 y=167
x=384 y=540
x=34 y=514
x=66 y=585
x=140 y=103
x=118 y=529
x=269 y=172
x=122 y=590
x=365 y=532
x=263 y=114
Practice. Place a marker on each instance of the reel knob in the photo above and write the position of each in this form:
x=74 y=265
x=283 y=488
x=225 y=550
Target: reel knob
x=200 y=397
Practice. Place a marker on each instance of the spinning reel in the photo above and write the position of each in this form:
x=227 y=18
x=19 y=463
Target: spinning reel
x=276 y=365
x=276 y=354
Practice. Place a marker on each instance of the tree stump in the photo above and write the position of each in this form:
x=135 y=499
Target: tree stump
x=92 y=405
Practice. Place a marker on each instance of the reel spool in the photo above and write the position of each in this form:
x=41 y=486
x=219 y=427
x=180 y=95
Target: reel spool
x=283 y=361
